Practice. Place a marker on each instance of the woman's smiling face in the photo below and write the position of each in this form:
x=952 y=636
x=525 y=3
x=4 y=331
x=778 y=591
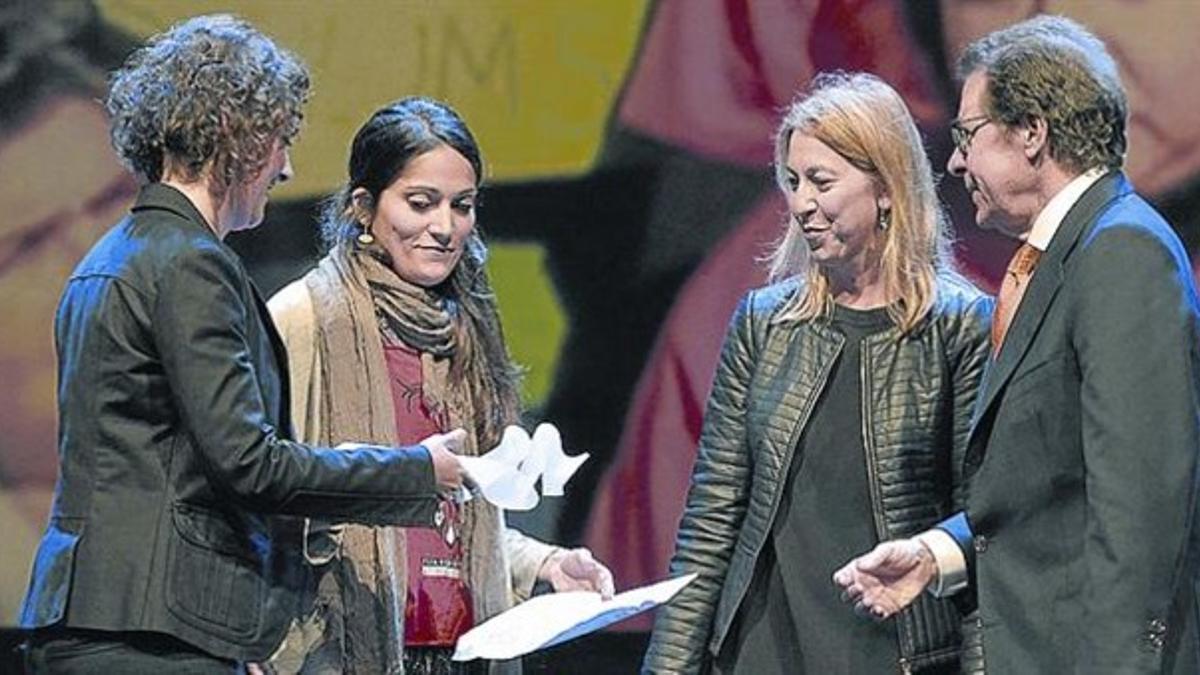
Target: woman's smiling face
x=834 y=203
x=424 y=217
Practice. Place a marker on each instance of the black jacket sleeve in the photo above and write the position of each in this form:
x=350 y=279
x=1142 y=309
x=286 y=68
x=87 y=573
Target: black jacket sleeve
x=714 y=512
x=200 y=323
x=1135 y=336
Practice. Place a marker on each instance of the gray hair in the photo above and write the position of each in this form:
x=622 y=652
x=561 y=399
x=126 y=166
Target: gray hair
x=1052 y=68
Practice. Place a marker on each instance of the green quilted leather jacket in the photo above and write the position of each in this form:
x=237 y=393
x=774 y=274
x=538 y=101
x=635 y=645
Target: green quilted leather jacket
x=917 y=400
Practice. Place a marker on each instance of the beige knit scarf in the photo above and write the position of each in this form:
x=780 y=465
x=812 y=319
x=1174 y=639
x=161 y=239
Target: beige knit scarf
x=359 y=303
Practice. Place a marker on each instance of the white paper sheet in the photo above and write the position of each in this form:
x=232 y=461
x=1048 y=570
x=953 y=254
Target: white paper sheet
x=550 y=619
x=501 y=484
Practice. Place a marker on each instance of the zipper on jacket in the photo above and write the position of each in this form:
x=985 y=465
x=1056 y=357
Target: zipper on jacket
x=793 y=439
x=864 y=360
x=868 y=442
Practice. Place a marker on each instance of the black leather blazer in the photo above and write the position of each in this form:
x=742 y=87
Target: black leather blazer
x=174 y=448
x=918 y=396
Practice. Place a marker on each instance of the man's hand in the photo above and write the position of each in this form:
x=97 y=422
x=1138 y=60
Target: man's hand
x=577 y=570
x=888 y=579
x=447 y=470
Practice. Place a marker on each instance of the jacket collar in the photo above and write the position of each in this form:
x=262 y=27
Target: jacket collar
x=1045 y=283
x=166 y=198
x=157 y=196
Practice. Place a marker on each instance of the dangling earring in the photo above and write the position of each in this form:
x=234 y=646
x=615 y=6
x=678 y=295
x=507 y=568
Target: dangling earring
x=365 y=238
x=885 y=219
x=360 y=210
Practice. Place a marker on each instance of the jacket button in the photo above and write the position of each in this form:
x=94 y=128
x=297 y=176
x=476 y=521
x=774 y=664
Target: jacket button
x=981 y=543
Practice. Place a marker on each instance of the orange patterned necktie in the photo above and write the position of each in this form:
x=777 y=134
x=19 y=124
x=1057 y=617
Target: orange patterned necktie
x=1016 y=278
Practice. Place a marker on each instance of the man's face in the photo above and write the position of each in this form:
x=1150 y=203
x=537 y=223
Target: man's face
x=1164 y=124
x=993 y=164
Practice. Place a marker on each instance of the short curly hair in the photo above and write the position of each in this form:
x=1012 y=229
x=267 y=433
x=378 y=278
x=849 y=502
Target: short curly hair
x=210 y=96
x=1052 y=68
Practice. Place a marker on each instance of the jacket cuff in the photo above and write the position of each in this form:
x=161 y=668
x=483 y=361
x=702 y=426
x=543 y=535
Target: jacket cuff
x=526 y=557
x=322 y=541
x=950 y=562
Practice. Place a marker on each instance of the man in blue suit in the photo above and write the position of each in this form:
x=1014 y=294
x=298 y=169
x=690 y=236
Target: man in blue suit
x=1079 y=543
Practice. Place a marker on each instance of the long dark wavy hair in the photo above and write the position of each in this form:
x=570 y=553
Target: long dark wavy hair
x=395 y=135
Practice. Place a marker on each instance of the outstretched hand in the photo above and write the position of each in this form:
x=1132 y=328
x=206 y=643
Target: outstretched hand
x=576 y=570
x=888 y=579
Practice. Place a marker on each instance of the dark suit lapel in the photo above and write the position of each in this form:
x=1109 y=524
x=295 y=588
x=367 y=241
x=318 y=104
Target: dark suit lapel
x=1044 y=286
x=165 y=197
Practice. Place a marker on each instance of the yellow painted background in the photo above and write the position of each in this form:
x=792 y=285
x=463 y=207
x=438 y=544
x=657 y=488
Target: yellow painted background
x=535 y=80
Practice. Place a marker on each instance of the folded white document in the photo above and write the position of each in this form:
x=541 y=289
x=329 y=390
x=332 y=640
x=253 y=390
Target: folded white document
x=550 y=619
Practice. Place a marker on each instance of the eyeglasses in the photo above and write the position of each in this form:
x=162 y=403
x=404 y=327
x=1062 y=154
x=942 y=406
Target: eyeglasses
x=962 y=136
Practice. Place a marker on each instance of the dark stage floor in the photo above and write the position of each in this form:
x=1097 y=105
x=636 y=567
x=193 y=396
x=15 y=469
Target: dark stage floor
x=597 y=654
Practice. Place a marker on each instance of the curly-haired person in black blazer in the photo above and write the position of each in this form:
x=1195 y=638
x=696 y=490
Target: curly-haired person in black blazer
x=172 y=545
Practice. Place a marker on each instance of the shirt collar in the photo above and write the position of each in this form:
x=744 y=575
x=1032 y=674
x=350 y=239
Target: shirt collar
x=1052 y=215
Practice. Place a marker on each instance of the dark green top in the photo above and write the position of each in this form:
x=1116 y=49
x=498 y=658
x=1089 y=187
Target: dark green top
x=793 y=621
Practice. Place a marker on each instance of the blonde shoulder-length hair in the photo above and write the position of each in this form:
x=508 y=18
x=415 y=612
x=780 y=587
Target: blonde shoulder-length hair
x=864 y=120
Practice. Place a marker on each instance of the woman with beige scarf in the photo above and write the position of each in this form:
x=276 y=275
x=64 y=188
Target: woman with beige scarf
x=393 y=334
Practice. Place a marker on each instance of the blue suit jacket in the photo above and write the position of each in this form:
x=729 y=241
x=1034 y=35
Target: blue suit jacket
x=1080 y=528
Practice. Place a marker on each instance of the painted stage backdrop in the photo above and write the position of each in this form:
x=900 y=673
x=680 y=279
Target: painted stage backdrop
x=629 y=193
